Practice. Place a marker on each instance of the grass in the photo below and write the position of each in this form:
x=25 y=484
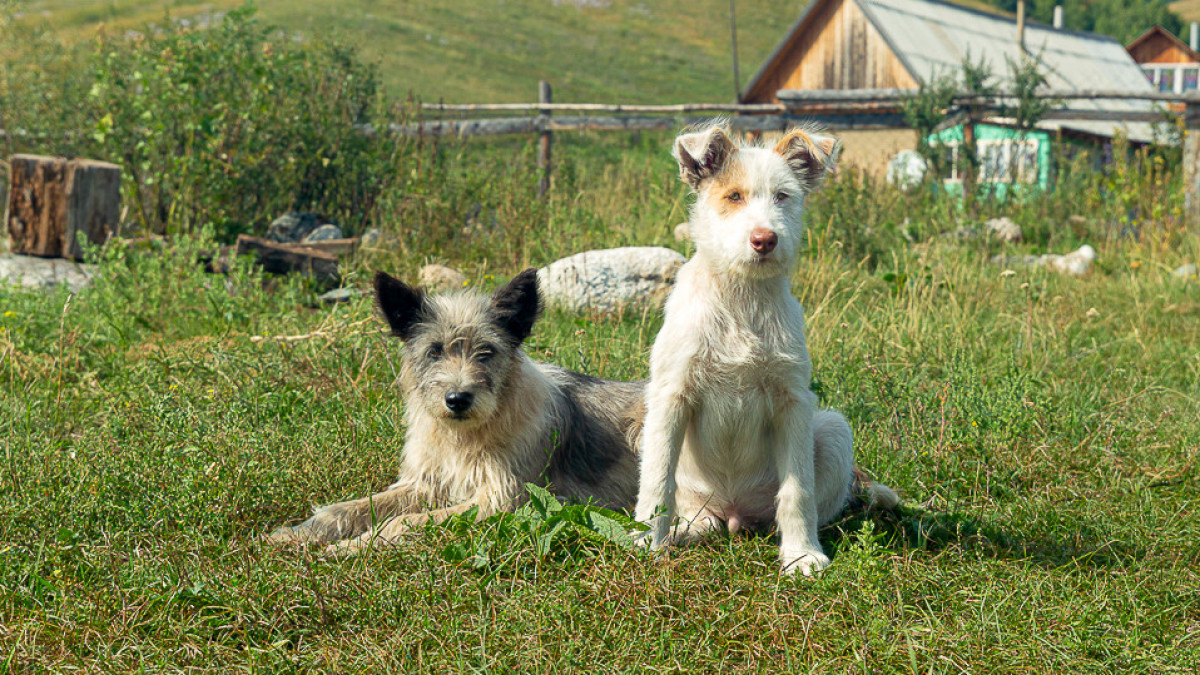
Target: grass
x=1046 y=453
x=671 y=51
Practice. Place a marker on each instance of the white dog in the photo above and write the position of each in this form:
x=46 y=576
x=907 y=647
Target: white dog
x=732 y=431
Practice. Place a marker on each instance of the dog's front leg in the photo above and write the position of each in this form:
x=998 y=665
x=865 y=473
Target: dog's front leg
x=667 y=418
x=796 y=503
x=351 y=518
x=504 y=499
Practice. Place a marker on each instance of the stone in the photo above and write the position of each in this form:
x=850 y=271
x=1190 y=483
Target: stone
x=441 y=278
x=35 y=272
x=1187 y=271
x=292 y=227
x=609 y=280
x=342 y=295
x=1075 y=263
x=1004 y=229
x=378 y=239
x=326 y=232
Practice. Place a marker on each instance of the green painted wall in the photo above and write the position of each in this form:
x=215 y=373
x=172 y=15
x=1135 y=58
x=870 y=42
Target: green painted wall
x=988 y=132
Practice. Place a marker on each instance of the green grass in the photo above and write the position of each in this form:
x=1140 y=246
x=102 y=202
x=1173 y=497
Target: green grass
x=672 y=51
x=1047 y=458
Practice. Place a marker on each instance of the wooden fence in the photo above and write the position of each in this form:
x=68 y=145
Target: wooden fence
x=841 y=110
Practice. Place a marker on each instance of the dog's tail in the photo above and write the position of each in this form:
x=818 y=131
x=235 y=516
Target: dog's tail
x=873 y=494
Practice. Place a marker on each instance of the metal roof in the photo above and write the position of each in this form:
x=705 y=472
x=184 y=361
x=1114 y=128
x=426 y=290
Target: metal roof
x=932 y=38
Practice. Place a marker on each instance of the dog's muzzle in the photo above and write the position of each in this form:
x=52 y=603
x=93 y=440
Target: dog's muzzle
x=458 y=402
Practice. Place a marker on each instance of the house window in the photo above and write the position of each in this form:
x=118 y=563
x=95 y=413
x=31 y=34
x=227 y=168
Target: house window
x=1166 y=79
x=1191 y=78
x=1151 y=74
x=1008 y=160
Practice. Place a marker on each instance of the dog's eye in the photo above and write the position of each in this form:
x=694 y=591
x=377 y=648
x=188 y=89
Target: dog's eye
x=734 y=197
x=486 y=355
x=781 y=197
x=435 y=350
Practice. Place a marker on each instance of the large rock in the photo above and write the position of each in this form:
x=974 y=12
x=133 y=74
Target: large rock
x=292 y=227
x=1075 y=263
x=326 y=232
x=441 y=278
x=609 y=280
x=34 y=272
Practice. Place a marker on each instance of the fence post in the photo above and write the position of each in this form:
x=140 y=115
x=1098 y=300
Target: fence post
x=1191 y=162
x=544 y=141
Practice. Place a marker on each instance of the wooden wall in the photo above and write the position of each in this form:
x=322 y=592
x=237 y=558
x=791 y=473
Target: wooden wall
x=1159 y=49
x=836 y=48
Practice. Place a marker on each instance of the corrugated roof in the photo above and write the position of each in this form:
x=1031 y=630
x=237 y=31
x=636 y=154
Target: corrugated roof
x=932 y=38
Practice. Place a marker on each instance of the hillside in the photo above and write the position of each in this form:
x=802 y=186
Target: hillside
x=496 y=50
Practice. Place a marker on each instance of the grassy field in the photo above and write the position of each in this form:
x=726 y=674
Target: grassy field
x=1042 y=430
x=671 y=51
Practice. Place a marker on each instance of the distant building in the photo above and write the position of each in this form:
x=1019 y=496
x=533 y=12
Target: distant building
x=1169 y=63
x=897 y=44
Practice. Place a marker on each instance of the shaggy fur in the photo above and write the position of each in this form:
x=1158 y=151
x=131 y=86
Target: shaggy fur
x=483 y=419
x=732 y=433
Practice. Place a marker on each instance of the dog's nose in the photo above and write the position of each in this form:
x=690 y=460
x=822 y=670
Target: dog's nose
x=459 y=401
x=763 y=241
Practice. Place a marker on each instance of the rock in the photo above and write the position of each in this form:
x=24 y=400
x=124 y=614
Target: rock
x=1004 y=229
x=378 y=239
x=963 y=233
x=34 y=272
x=683 y=232
x=442 y=278
x=1187 y=271
x=291 y=227
x=342 y=295
x=326 y=232
x=1075 y=263
x=611 y=279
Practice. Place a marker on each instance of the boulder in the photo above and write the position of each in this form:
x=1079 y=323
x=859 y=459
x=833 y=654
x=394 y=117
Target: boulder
x=609 y=280
x=1187 y=271
x=441 y=278
x=1075 y=263
x=35 y=272
x=292 y=227
x=326 y=232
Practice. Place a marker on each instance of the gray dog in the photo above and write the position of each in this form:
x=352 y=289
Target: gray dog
x=483 y=419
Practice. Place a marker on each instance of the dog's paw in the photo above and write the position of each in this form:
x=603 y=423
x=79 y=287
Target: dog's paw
x=288 y=537
x=806 y=563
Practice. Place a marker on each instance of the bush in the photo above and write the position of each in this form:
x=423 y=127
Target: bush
x=230 y=125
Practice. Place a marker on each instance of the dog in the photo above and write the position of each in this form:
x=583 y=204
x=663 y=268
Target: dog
x=732 y=433
x=483 y=419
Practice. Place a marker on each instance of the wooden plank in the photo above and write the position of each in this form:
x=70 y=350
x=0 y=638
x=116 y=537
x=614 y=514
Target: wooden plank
x=335 y=246
x=545 y=140
x=285 y=259
x=838 y=121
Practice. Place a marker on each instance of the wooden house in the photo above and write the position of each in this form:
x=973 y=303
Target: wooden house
x=1169 y=63
x=898 y=44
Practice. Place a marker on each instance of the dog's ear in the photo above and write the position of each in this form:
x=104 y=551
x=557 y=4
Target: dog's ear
x=517 y=305
x=702 y=154
x=400 y=304
x=811 y=156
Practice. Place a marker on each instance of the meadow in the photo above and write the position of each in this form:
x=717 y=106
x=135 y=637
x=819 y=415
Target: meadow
x=1041 y=429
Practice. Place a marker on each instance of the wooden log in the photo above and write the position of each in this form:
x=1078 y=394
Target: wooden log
x=285 y=258
x=52 y=201
x=334 y=246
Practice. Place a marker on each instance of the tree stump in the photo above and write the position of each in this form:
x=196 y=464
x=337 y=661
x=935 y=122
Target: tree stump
x=51 y=200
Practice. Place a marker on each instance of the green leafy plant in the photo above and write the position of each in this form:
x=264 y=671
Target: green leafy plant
x=543 y=525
